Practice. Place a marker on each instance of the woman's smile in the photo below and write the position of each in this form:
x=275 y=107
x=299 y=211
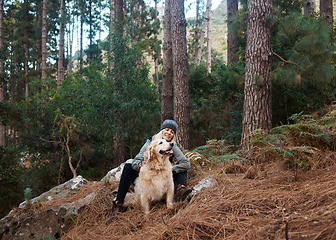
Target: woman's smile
x=168 y=134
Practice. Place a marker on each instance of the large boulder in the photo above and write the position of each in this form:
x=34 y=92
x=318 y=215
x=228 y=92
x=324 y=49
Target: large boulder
x=47 y=222
x=115 y=173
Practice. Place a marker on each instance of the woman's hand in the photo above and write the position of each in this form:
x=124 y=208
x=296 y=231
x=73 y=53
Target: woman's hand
x=143 y=162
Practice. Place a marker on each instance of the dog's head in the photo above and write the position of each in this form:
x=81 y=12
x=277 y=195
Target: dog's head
x=157 y=149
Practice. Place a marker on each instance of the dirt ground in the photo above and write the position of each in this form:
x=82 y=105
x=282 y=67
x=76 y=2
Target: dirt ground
x=264 y=202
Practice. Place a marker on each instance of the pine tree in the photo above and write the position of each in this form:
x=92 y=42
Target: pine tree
x=167 y=71
x=309 y=7
x=232 y=8
x=198 y=54
x=60 y=70
x=2 y=98
x=180 y=72
x=326 y=11
x=208 y=51
x=258 y=86
x=44 y=40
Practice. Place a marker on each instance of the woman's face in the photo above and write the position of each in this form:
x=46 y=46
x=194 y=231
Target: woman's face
x=168 y=134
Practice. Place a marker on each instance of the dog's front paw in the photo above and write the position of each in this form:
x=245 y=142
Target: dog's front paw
x=169 y=205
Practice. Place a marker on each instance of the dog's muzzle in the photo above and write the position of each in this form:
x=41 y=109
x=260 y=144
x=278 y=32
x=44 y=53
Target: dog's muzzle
x=168 y=152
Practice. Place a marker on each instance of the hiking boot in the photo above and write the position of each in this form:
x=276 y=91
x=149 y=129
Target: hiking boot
x=117 y=207
x=181 y=193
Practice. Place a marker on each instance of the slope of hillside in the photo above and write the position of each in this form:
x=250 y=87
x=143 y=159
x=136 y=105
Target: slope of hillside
x=283 y=188
x=272 y=206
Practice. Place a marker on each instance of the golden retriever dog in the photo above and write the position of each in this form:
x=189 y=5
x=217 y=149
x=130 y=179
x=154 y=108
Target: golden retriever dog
x=155 y=178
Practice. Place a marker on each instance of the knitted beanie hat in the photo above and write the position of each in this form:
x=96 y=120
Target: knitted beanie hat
x=169 y=124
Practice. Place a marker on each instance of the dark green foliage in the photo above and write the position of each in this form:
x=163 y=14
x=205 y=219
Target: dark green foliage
x=309 y=143
x=102 y=103
x=303 y=69
x=216 y=103
x=219 y=151
x=10 y=184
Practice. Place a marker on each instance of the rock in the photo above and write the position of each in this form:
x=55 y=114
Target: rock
x=115 y=173
x=204 y=183
x=50 y=222
x=61 y=191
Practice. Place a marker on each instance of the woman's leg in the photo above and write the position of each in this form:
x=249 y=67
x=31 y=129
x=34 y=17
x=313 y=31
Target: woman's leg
x=180 y=178
x=180 y=181
x=128 y=177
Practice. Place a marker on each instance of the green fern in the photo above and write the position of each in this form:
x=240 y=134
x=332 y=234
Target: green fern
x=227 y=158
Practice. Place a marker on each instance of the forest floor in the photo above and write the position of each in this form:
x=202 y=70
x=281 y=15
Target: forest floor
x=265 y=202
x=284 y=189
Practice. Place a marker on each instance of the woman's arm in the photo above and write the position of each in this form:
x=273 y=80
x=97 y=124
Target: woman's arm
x=140 y=156
x=183 y=163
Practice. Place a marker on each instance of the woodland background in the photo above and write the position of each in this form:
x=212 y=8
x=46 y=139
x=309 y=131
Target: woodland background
x=95 y=107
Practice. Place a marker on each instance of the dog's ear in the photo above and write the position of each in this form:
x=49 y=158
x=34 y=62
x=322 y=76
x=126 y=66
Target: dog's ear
x=148 y=152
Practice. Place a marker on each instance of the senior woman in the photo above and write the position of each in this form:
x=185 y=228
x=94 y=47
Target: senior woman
x=131 y=170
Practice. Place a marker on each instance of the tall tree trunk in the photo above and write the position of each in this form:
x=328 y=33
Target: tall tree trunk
x=197 y=24
x=70 y=39
x=200 y=45
x=112 y=13
x=38 y=41
x=26 y=48
x=119 y=16
x=167 y=71
x=44 y=40
x=208 y=52
x=60 y=70
x=258 y=86
x=90 y=31
x=156 y=61
x=232 y=8
x=81 y=36
x=326 y=11
x=119 y=139
x=309 y=7
x=2 y=98
x=180 y=72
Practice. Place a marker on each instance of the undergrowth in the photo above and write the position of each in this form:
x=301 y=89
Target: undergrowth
x=306 y=144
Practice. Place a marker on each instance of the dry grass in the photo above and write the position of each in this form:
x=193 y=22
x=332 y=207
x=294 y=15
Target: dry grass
x=270 y=207
x=258 y=199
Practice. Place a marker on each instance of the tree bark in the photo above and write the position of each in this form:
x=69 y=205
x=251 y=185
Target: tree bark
x=44 y=40
x=197 y=24
x=200 y=45
x=119 y=16
x=90 y=31
x=81 y=36
x=208 y=52
x=309 y=7
x=180 y=72
x=232 y=8
x=110 y=35
x=258 y=86
x=38 y=41
x=167 y=71
x=326 y=11
x=119 y=139
x=60 y=70
x=70 y=39
x=2 y=98
x=26 y=48
x=156 y=61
